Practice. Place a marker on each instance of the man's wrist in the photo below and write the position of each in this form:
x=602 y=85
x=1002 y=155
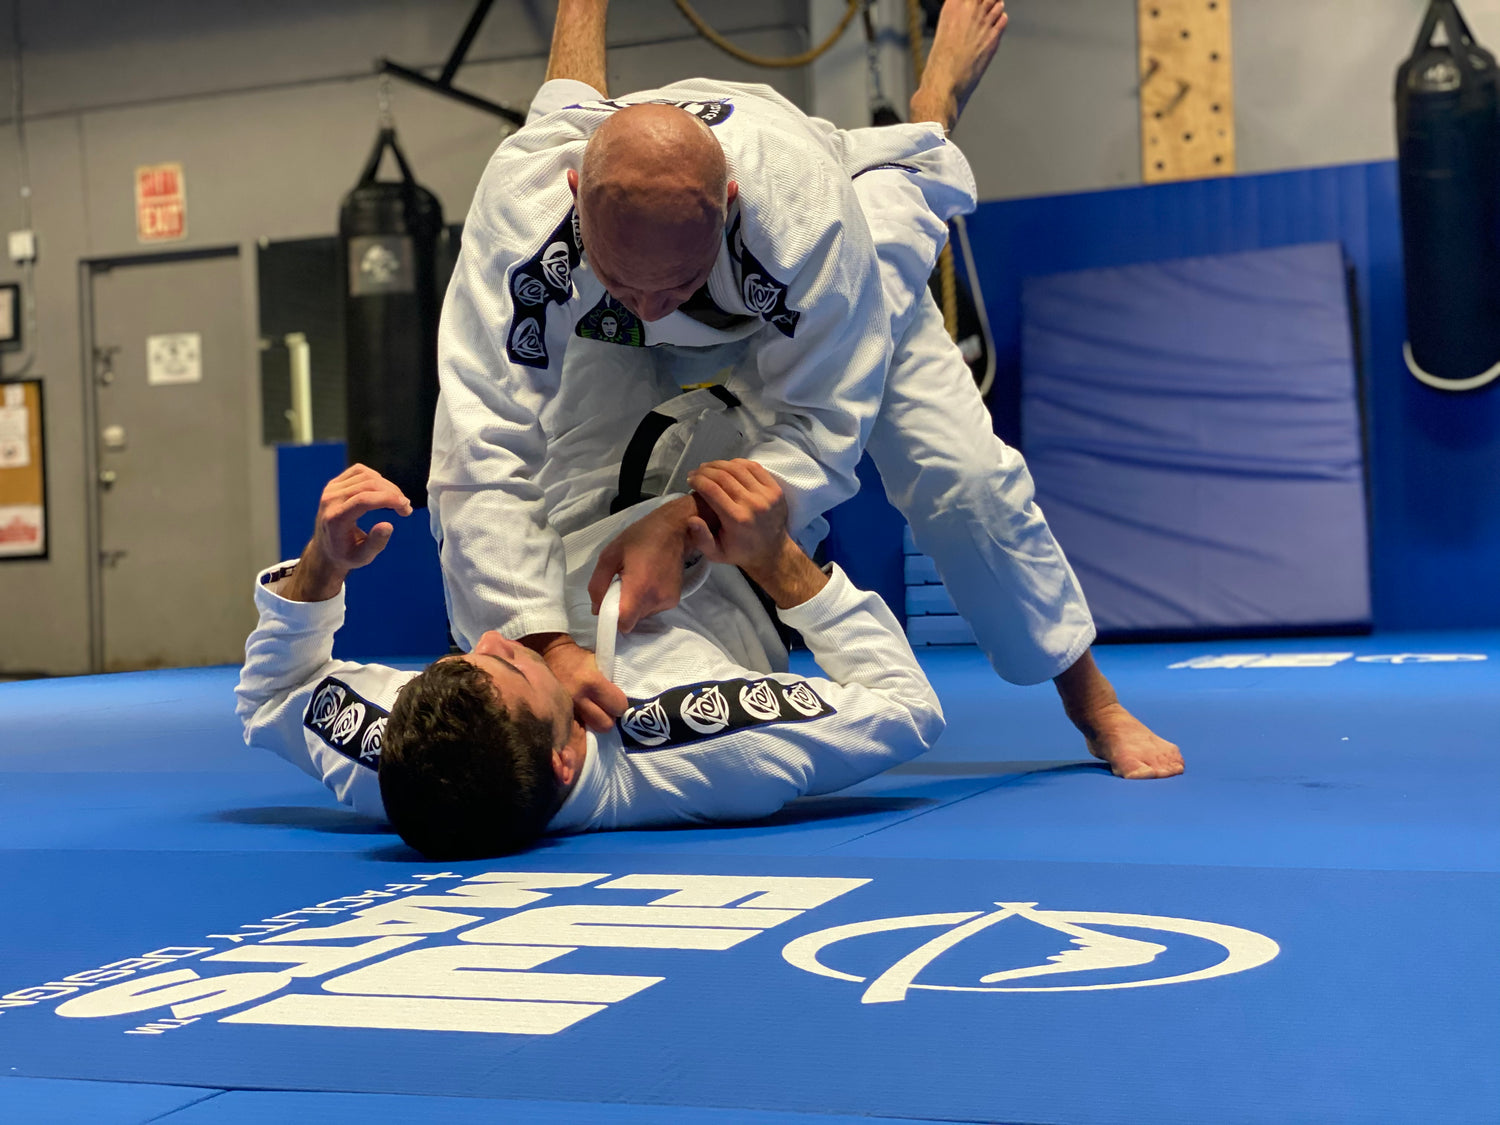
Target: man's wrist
x=789 y=576
x=316 y=579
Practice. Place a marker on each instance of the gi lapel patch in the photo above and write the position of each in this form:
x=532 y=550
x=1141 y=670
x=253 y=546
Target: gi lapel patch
x=696 y=712
x=612 y=323
x=547 y=278
x=345 y=720
x=762 y=293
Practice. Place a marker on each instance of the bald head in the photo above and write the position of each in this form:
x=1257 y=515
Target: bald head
x=652 y=198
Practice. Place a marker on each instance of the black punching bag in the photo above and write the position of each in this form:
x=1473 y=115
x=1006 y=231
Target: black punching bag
x=388 y=239
x=1448 y=127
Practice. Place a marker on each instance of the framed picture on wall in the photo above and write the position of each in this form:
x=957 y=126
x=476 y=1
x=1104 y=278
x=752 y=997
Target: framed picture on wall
x=23 y=477
x=10 y=316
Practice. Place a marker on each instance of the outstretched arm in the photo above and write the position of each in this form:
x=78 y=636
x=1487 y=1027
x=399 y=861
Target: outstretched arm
x=326 y=717
x=578 y=43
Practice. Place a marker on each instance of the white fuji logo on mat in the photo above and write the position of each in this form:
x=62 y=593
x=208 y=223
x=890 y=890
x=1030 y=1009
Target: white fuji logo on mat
x=1094 y=950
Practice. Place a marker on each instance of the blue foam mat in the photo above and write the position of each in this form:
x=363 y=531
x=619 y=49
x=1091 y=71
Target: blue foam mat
x=373 y=1109
x=142 y=824
x=57 y=1101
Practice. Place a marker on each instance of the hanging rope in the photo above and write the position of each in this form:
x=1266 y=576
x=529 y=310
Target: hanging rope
x=947 y=279
x=767 y=60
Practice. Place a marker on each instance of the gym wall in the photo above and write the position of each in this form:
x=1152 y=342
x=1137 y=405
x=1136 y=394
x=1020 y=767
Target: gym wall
x=271 y=109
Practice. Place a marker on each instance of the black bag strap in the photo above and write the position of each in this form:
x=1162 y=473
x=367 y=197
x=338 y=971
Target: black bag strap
x=642 y=444
x=1446 y=13
x=386 y=139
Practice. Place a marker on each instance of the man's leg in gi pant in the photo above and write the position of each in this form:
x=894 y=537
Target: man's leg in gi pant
x=970 y=501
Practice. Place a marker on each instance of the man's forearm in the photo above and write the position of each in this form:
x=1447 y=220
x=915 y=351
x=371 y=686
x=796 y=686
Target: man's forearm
x=790 y=578
x=578 y=43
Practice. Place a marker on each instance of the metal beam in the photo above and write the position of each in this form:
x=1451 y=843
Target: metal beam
x=515 y=117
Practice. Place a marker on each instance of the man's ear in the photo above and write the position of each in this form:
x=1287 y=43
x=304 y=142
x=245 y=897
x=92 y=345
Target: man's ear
x=573 y=183
x=563 y=769
x=731 y=193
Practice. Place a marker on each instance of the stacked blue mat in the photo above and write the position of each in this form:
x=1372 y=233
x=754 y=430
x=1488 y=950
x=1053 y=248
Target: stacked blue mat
x=1193 y=427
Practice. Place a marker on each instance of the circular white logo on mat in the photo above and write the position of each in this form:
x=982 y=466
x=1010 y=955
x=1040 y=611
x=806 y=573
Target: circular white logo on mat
x=1087 y=950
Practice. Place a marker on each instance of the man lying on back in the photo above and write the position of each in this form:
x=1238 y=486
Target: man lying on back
x=480 y=753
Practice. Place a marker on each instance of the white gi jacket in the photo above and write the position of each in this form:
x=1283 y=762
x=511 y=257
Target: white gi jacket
x=716 y=730
x=797 y=280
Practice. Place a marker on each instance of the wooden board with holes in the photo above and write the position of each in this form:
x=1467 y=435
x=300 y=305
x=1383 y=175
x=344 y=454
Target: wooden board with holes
x=1187 y=89
x=23 y=482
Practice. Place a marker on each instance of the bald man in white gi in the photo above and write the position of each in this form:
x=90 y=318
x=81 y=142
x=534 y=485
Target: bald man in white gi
x=711 y=232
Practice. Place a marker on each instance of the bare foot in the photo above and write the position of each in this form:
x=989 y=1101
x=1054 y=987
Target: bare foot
x=1130 y=748
x=1113 y=734
x=968 y=33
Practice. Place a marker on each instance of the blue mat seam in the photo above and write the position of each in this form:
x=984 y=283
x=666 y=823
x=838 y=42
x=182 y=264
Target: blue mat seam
x=207 y=1097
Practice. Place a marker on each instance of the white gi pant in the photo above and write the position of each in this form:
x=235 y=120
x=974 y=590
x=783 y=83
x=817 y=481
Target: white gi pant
x=968 y=496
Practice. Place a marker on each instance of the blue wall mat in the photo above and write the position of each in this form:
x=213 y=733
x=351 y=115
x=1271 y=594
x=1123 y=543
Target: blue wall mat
x=1193 y=429
x=395 y=605
x=864 y=537
x=1434 y=457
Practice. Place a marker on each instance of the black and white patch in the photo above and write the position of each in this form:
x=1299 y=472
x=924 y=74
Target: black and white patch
x=546 y=278
x=612 y=323
x=347 y=721
x=276 y=574
x=762 y=293
x=714 y=111
x=697 y=712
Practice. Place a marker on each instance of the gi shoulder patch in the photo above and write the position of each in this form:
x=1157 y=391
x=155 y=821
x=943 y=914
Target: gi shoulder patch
x=712 y=112
x=762 y=293
x=347 y=721
x=612 y=323
x=695 y=712
x=545 y=279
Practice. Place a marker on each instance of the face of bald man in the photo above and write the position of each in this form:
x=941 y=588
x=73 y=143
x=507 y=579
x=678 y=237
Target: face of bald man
x=652 y=198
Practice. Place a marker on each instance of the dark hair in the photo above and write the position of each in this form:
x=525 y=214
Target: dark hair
x=461 y=775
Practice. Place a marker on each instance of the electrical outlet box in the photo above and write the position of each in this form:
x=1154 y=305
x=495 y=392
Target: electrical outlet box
x=22 y=246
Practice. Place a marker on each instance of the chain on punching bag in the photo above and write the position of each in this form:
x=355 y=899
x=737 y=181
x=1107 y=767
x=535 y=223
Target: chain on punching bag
x=1448 y=126
x=388 y=239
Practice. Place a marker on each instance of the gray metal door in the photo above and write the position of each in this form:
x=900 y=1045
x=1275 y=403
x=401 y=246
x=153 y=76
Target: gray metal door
x=173 y=438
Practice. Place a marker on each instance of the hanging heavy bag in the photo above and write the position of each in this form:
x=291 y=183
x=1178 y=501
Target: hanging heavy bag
x=388 y=241
x=1448 y=127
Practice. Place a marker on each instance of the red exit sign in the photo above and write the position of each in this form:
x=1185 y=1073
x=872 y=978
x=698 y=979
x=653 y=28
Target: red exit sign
x=160 y=203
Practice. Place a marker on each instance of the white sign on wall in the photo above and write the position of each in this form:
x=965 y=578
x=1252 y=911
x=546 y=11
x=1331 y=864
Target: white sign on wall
x=15 y=436
x=174 y=358
x=23 y=530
